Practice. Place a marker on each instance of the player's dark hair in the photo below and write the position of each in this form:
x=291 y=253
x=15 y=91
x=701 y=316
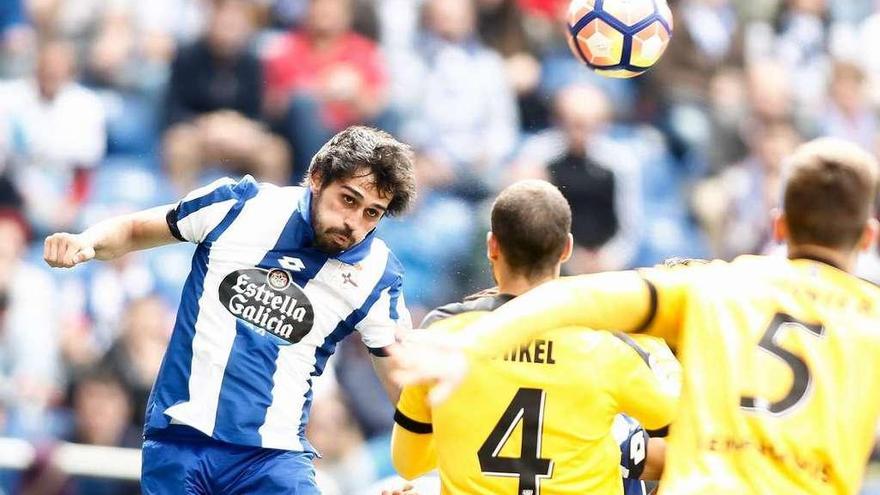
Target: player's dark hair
x=364 y=149
x=830 y=192
x=531 y=221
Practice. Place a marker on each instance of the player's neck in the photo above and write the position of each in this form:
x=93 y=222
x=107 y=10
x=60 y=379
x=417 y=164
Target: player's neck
x=845 y=261
x=516 y=284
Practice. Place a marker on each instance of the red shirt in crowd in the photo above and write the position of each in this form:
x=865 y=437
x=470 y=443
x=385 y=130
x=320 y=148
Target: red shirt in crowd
x=295 y=65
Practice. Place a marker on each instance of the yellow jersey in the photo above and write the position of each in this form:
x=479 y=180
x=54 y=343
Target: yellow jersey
x=537 y=418
x=781 y=389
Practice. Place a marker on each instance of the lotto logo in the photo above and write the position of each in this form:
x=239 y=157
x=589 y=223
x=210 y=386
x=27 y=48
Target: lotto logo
x=292 y=264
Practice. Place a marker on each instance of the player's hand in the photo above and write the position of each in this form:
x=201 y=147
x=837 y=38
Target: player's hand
x=407 y=489
x=430 y=357
x=65 y=250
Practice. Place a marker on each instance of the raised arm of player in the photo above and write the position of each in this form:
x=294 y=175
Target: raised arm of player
x=110 y=238
x=624 y=301
x=651 y=302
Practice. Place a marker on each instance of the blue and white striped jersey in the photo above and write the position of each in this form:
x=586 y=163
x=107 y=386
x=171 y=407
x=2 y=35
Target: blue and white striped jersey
x=261 y=312
x=633 y=441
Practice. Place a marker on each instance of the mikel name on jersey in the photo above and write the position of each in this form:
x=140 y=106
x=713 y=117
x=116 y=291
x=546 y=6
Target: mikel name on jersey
x=535 y=351
x=269 y=300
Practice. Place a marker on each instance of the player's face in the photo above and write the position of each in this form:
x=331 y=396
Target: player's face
x=345 y=211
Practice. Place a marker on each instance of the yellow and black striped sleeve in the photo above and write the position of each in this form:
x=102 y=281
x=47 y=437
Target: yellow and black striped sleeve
x=629 y=301
x=413 y=411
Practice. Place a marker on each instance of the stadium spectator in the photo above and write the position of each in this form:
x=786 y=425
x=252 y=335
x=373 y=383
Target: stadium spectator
x=504 y=27
x=227 y=142
x=326 y=77
x=30 y=378
x=16 y=39
x=213 y=101
x=598 y=178
x=868 y=34
x=345 y=457
x=707 y=38
x=57 y=137
x=218 y=71
x=98 y=300
x=464 y=109
x=849 y=114
x=770 y=90
x=101 y=411
x=735 y=206
x=135 y=357
x=797 y=37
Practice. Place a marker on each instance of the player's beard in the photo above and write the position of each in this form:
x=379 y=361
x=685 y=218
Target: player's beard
x=330 y=239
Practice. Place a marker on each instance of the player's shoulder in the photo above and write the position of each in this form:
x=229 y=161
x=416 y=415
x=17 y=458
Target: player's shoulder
x=471 y=307
x=625 y=345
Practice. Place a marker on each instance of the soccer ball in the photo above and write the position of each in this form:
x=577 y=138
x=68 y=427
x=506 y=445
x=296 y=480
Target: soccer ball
x=619 y=38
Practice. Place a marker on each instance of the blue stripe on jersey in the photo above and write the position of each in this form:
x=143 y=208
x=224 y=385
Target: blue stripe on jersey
x=359 y=251
x=247 y=378
x=252 y=361
x=394 y=292
x=342 y=330
x=633 y=487
x=172 y=386
x=222 y=193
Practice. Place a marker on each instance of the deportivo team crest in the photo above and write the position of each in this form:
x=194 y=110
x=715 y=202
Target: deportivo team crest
x=269 y=301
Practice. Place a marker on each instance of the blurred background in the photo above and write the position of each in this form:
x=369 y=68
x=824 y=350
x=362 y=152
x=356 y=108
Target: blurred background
x=108 y=106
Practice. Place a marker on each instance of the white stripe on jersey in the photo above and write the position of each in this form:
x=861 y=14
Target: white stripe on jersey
x=281 y=426
x=261 y=221
x=381 y=307
x=196 y=227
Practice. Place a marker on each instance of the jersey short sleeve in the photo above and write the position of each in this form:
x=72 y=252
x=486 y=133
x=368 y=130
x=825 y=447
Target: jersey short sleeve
x=413 y=411
x=662 y=362
x=387 y=316
x=638 y=390
x=669 y=289
x=203 y=209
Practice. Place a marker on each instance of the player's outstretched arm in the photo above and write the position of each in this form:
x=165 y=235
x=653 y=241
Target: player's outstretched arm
x=382 y=366
x=615 y=300
x=110 y=238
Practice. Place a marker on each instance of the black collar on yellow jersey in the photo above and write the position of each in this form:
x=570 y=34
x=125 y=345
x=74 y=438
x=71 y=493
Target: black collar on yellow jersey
x=484 y=301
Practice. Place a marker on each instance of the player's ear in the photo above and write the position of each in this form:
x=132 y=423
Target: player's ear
x=869 y=234
x=315 y=181
x=780 y=226
x=568 y=249
x=493 y=250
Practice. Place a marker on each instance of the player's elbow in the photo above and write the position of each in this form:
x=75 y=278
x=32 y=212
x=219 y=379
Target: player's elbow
x=407 y=470
x=412 y=454
x=409 y=465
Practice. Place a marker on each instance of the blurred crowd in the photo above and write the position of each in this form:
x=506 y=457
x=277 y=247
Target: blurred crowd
x=107 y=106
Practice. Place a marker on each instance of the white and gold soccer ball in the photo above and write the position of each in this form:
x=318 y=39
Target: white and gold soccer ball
x=619 y=38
